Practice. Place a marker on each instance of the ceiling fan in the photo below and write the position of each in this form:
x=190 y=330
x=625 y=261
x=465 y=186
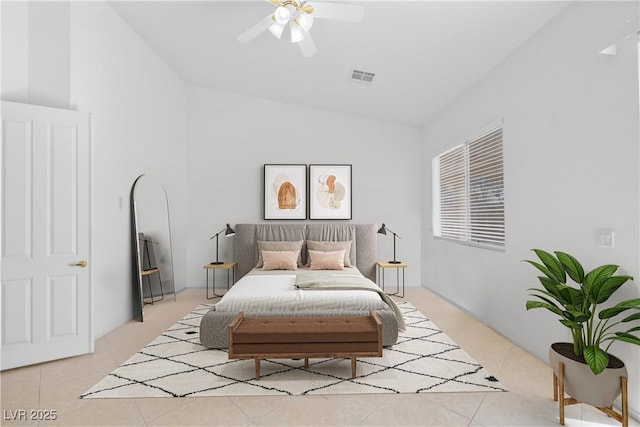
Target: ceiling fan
x=299 y=16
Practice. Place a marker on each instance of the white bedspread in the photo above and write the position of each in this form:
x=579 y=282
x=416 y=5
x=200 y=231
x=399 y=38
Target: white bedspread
x=277 y=293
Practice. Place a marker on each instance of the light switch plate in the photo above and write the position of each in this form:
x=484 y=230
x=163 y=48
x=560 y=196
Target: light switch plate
x=604 y=237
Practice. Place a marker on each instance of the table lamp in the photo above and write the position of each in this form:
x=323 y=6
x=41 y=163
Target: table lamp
x=383 y=230
x=228 y=232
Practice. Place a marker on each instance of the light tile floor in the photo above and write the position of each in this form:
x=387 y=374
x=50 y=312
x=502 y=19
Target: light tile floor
x=57 y=385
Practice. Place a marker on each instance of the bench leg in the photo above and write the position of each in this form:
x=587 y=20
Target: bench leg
x=306 y=363
x=257 y=369
x=353 y=367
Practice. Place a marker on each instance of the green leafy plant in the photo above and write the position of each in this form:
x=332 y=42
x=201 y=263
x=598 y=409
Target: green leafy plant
x=593 y=331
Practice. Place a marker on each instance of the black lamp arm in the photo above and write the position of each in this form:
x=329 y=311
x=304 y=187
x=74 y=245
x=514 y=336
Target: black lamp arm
x=393 y=233
x=217 y=234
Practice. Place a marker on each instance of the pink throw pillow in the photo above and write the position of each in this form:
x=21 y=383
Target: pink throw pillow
x=280 y=260
x=319 y=260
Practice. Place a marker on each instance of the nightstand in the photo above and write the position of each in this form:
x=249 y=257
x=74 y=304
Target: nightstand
x=381 y=266
x=231 y=271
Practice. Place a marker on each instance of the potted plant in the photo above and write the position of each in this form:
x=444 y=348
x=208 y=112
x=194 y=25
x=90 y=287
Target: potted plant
x=593 y=329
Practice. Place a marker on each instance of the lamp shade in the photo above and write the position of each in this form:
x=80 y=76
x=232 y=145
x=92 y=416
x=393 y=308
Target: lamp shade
x=383 y=229
x=305 y=20
x=282 y=15
x=228 y=232
x=276 y=29
x=296 y=34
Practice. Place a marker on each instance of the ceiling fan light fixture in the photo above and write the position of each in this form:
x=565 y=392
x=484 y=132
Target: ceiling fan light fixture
x=296 y=34
x=276 y=29
x=300 y=17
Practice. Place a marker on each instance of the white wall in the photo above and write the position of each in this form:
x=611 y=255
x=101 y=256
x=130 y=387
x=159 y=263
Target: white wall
x=571 y=166
x=15 y=51
x=232 y=137
x=139 y=126
x=138 y=107
x=35 y=53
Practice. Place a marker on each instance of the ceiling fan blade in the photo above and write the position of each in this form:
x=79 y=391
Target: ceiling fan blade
x=338 y=11
x=307 y=45
x=254 y=31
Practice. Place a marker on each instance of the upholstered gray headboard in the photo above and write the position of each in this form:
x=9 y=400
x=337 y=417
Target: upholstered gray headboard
x=364 y=243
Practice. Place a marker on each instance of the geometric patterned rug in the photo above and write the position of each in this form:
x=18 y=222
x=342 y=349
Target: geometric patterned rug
x=174 y=364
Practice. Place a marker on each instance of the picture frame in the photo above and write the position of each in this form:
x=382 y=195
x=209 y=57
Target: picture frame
x=285 y=191
x=330 y=191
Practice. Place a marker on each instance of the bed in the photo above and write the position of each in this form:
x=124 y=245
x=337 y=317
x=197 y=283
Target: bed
x=312 y=286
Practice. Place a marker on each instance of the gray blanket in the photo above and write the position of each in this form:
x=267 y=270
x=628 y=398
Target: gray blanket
x=336 y=281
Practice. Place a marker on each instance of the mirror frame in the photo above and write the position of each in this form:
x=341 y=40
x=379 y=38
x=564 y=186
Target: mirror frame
x=138 y=293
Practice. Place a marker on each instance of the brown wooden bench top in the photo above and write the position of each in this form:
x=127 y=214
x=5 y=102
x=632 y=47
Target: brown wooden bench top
x=304 y=337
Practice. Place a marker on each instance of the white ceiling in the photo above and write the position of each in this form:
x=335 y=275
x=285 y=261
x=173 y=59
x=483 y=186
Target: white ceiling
x=425 y=54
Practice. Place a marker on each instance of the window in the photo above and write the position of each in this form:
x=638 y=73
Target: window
x=468 y=191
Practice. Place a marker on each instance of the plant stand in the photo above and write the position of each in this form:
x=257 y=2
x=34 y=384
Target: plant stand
x=558 y=394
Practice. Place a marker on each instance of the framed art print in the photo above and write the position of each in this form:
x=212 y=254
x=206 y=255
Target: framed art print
x=330 y=191
x=285 y=191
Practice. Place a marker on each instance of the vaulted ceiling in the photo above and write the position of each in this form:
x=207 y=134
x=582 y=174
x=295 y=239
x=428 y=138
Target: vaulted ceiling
x=425 y=54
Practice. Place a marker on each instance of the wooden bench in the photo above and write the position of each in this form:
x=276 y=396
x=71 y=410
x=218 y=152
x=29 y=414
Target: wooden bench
x=305 y=337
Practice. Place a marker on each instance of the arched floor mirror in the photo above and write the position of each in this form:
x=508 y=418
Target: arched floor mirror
x=153 y=279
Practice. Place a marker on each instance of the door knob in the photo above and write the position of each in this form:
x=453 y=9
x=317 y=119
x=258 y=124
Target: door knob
x=81 y=264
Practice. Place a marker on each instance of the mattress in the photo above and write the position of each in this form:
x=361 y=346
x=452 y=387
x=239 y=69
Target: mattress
x=274 y=292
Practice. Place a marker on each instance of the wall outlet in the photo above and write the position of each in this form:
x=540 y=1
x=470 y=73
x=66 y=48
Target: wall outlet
x=604 y=237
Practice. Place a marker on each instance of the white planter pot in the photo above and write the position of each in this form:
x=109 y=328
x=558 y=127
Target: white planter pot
x=582 y=384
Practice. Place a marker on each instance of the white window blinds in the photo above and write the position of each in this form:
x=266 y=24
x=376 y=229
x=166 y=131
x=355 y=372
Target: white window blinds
x=468 y=191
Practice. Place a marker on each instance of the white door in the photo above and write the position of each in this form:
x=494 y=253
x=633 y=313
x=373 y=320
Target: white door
x=46 y=287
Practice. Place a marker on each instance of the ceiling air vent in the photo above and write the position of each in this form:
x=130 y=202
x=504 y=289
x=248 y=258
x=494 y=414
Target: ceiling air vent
x=362 y=76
